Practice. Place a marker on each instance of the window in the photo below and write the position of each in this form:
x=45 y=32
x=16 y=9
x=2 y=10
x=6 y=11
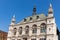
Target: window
x=13 y=39
x=18 y=39
x=49 y=29
x=42 y=38
x=37 y=17
x=24 y=20
x=14 y=31
x=20 y=30
x=33 y=39
x=43 y=28
x=49 y=39
x=27 y=29
x=49 y=21
x=24 y=38
x=34 y=29
x=30 y=18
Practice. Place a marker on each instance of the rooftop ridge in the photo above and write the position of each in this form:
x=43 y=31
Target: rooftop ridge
x=3 y=31
x=34 y=15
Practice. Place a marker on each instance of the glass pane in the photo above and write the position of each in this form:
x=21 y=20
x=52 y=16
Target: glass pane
x=43 y=29
x=34 y=30
x=20 y=30
x=27 y=29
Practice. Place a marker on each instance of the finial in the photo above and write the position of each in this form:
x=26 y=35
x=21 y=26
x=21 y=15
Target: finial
x=34 y=10
x=50 y=5
x=50 y=8
x=14 y=16
x=13 y=19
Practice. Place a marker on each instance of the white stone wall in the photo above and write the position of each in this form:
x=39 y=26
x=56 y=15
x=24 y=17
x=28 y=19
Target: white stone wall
x=50 y=34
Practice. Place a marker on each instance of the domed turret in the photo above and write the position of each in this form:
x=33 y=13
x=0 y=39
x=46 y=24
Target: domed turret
x=13 y=20
x=50 y=9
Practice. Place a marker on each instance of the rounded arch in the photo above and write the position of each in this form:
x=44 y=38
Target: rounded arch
x=20 y=30
x=43 y=25
x=15 y=28
x=43 y=28
x=14 y=31
x=20 y=27
x=27 y=29
x=35 y=25
x=34 y=28
x=27 y=26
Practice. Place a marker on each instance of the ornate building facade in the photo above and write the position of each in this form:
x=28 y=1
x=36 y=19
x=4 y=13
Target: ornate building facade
x=35 y=27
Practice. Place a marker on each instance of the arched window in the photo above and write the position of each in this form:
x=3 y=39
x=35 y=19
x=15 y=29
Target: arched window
x=34 y=29
x=27 y=29
x=30 y=18
x=14 y=31
x=33 y=39
x=18 y=39
x=43 y=28
x=42 y=38
x=13 y=39
x=37 y=17
x=24 y=20
x=20 y=30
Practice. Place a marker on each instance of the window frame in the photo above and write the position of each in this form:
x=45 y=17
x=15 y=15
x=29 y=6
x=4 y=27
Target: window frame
x=27 y=30
x=34 y=29
x=15 y=31
x=20 y=30
x=43 y=28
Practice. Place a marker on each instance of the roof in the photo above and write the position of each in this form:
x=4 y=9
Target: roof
x=33 y=18
x=2 y=31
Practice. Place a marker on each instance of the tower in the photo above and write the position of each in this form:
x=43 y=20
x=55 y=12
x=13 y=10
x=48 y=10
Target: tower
x=51 y=25
x=11 y=26
x=50 y=11
x=13 y=20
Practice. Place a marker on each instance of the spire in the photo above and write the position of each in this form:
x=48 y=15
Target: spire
x=50 y=9
x=50 y=5
x=34 y=10
x=13 y=20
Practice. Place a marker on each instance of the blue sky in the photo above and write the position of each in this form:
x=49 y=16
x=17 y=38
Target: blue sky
x=23 y=8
